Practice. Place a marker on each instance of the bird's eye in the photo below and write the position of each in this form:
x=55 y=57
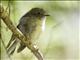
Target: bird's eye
x=38 y=13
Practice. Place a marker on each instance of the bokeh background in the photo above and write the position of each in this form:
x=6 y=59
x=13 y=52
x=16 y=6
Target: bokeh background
x=59 y=41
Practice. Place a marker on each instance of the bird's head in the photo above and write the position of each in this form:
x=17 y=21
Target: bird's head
x=38 y=12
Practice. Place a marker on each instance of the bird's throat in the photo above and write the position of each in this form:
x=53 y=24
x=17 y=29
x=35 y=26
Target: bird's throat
x=43 y=23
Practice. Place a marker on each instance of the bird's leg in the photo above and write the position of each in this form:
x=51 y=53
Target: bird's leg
x=35 y=45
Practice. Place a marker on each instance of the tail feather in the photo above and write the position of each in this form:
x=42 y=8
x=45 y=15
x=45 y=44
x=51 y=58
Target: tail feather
x=12 y=45
x=11 y=53
x=11 y=40
x=12 y=48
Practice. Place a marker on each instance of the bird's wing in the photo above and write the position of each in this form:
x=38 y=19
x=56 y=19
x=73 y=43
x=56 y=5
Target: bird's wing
x=11 y=40
x=23 y=24
x=12 y=45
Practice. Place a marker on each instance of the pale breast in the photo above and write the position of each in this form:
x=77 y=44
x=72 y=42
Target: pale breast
x=40 y=27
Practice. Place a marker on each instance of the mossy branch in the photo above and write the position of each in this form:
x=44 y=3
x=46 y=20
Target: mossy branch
x=5 y=17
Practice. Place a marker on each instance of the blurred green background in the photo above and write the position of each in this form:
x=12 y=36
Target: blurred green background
x=59 y=41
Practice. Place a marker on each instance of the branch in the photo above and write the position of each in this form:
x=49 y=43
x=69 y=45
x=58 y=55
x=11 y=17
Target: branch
x=5 y=17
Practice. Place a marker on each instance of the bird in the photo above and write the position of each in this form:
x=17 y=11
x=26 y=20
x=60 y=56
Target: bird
x=31 y=24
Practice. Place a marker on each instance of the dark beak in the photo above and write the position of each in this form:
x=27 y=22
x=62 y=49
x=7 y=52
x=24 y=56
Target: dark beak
x=47 y=15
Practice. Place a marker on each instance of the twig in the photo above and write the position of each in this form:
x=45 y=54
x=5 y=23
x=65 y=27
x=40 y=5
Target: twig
x=4 y=16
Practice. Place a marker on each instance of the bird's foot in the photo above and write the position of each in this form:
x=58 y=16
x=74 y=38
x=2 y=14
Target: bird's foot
x=36 y=47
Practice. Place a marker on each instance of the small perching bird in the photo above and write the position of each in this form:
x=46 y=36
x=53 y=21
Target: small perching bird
x=31 y=25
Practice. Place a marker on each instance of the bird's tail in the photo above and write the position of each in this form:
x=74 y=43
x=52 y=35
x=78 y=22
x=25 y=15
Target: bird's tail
x=12 y=45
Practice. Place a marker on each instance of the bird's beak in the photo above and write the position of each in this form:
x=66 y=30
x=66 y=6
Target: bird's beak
x=47 y=15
